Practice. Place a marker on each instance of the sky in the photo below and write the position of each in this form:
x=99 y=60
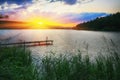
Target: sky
x=58 y=12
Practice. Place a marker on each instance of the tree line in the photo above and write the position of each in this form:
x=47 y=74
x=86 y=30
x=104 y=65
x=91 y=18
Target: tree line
x=108 y=23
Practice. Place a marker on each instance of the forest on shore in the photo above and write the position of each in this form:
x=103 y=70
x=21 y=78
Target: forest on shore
x=108 y=23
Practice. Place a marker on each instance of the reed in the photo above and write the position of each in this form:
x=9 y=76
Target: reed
x=16 y=64
x=77 y=67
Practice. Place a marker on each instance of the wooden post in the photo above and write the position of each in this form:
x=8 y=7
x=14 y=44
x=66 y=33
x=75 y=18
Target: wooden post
x=52 y=42
x=46 y=40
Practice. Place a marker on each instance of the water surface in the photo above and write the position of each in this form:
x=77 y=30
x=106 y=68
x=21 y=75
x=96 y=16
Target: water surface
x=65 y=41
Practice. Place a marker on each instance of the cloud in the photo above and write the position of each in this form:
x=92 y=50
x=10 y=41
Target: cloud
x=58 y=6
x=15 y=1
x=88 y=16
x=70 y=1
x=48 y=8
x=12 y=9
x=83 y=17
x=65 y=12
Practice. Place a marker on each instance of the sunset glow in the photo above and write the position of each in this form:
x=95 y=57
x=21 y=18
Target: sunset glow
x=41 y=23
x=55 y=13
x=44 y=23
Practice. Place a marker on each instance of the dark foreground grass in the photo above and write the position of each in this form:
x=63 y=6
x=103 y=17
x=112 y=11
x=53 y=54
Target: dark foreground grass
x=78 y=68
x=16 y=64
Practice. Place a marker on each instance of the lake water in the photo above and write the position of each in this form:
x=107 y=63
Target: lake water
x=65 y=41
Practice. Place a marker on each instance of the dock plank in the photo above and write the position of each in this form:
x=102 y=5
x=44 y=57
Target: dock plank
x=40 y=43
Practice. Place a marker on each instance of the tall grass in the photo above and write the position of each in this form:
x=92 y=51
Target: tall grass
x=76 y=67
x=16 y=64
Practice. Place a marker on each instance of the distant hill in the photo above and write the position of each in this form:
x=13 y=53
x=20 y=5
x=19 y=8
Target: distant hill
x=108 y=23
x=5 y=22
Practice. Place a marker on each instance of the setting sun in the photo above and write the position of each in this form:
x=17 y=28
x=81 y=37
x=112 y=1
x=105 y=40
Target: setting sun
x=40 y=23
x=46 y=23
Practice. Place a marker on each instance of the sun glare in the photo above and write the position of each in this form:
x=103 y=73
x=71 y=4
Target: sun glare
x=37 y=23
x=43 y=23
x=40 y=23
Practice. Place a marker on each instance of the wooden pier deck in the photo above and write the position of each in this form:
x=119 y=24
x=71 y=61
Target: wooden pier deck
x=30 y=43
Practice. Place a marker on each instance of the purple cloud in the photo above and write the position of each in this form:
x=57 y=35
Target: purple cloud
x=15 y=1
x=71 y=2
x=83 y=17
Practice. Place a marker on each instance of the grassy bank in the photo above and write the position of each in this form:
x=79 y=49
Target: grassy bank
x=78 y=68
x=16 y=64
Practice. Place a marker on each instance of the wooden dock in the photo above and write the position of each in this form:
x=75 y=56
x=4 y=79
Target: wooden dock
x=30 y=43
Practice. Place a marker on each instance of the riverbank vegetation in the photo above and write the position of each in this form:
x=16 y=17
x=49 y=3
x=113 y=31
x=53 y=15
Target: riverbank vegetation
x=16 y=64
x=78 y=68
x=108 y=23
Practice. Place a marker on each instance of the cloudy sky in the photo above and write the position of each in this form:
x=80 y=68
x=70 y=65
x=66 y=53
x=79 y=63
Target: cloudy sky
x=59 y=12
